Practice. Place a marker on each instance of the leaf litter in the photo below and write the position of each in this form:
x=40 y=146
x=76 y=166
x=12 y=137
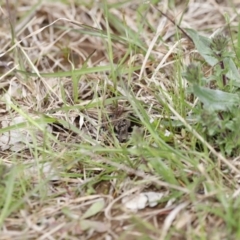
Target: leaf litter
x=48 y=42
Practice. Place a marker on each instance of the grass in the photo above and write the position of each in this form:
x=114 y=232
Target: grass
x=101 y=102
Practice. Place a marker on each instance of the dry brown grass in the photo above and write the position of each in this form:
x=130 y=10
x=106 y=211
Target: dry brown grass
x=57 y=37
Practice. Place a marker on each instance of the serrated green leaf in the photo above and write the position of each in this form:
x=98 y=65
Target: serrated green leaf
x=215 y=100
x=202 y=44
x=94 y=209
x=232 y=73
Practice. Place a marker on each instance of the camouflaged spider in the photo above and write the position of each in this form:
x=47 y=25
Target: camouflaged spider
x=121 y=123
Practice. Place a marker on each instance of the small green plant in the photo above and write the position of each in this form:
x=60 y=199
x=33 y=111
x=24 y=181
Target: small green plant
x=218 y=113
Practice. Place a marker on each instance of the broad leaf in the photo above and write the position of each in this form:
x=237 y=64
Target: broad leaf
x=232 y=73
x=215 y=100
x=202 y=44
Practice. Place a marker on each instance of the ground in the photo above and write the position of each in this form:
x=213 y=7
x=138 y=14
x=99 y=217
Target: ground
x=102 y=135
